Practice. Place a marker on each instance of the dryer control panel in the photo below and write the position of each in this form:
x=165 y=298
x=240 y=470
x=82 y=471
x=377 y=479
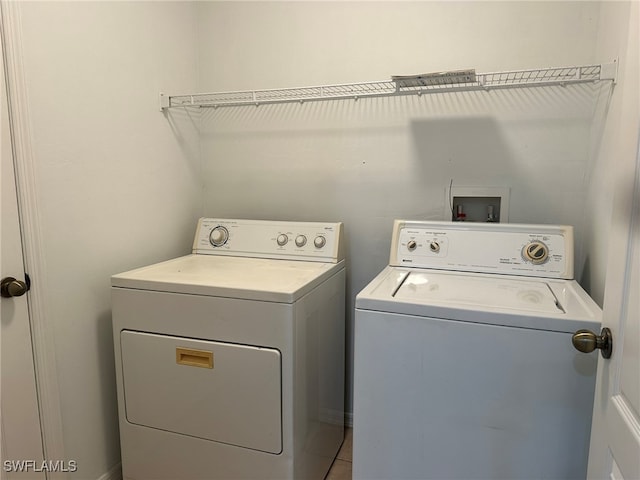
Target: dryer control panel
x=310 y=241
x=514 y=249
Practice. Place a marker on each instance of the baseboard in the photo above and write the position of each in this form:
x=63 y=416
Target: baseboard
x=115 y=473
x=348 y=419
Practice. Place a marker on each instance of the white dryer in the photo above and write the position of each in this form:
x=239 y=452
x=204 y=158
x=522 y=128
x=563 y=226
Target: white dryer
x=464 y=366
x=230 y=361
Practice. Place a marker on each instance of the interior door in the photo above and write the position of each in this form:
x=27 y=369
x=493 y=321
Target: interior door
x=21 y=433
x=615 y=436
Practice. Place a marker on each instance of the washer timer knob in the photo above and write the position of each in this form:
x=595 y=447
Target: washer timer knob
x=536 y=252
x=301 y=241
x=319 y=241
x=218 y=236
x=282 y=239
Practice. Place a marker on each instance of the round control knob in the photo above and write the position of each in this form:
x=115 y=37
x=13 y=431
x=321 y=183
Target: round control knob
x=536 y=252
x=301 y=241
x=320 y=241
x=282 y=239
x=218 y=236
x=411 y=245
x=434 y=247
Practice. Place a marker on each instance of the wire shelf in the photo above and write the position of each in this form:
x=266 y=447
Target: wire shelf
x=482 y=81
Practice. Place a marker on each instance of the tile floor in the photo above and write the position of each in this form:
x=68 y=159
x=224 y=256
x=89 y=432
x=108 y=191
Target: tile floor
x=341 y=468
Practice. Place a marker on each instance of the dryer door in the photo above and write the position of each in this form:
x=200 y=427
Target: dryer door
x=211 y=390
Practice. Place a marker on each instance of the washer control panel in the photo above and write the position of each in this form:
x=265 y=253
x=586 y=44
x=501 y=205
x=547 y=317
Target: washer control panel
x=313 y=241
x=515 y=249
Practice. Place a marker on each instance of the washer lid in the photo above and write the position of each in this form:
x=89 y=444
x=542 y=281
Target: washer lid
x=479 y=292
x=543 y=304
x=282 y=281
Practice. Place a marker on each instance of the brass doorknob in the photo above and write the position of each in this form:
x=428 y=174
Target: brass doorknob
x=10 y=287
x=586 y=341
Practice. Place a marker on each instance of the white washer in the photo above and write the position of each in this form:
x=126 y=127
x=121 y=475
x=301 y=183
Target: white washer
x=464 y=366
x=230 y=361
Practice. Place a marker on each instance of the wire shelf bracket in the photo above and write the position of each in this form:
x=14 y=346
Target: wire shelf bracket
x=481 y=81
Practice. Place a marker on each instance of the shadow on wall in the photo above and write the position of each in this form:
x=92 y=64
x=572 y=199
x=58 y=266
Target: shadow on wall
x=526 y=157
x=543 y=161
x=460 y=151
x=184 y=125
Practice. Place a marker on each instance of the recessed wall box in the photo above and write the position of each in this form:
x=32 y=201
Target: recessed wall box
x=477 y=204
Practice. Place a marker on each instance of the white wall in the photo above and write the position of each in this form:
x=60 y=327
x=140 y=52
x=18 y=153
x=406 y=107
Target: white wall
x=610 y=150
x=118 y=183
x=370 y=161
x=265 y=44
